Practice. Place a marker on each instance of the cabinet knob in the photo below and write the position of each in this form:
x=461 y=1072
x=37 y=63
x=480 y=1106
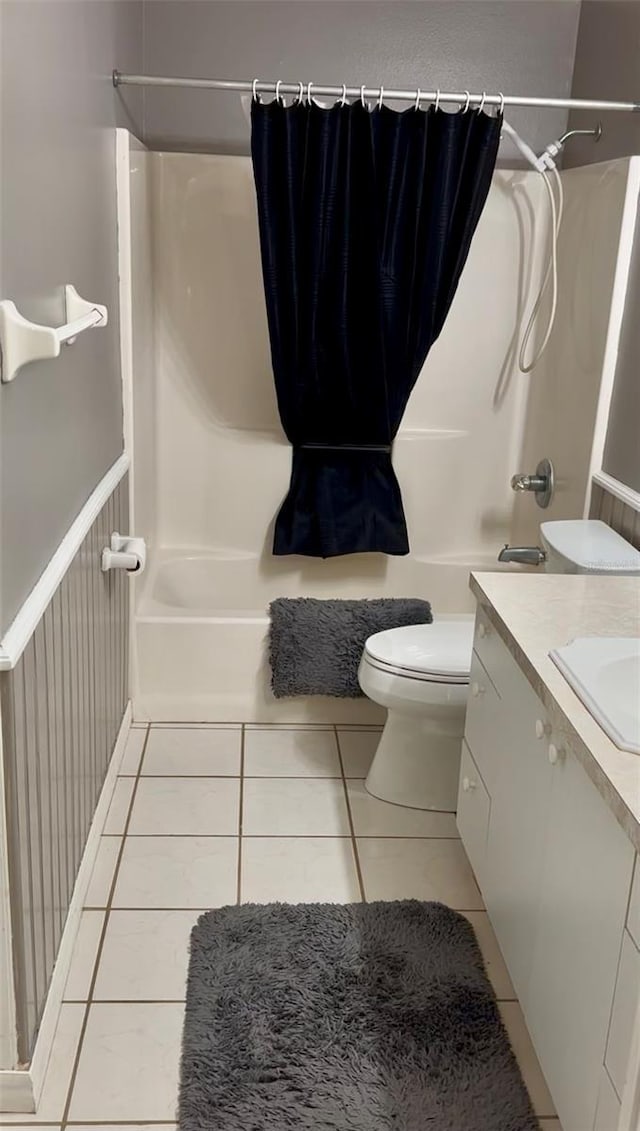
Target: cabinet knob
x=468 y=784
x=554 y=753
x=477 y=689
x=482 y=630
x=542 y=728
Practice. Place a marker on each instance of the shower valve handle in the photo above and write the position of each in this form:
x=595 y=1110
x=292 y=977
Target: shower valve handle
x=529 y=483
x=541 y=482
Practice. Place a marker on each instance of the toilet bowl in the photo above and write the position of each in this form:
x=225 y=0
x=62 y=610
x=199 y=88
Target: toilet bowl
x=420 y=674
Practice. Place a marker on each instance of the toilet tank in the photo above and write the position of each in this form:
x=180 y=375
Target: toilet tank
x=587 y=546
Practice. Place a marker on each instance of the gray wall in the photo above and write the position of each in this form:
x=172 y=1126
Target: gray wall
x=607 y=65
x=622 y=449
x=62 y=706
x=519 y=46
x=60 y=421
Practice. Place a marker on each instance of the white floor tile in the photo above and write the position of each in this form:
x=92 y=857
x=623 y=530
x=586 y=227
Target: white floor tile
x=357 y=748
x=124 y=1127
x=294 y=807
x=372 y=817
x=103 y=869
x=493 y=960
x=83 y=959
x=418 y=869
x=303 y=870
x=58 y=1077
x=177 y=872
x=133 y=752
x=197 y=752
x=128 y=1067
x=119 y=807
x=526 y=1057
x=145 y=956
x=296 y=753
x=186 y=807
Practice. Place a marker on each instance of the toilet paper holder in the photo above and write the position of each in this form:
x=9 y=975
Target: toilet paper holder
x=125 y=553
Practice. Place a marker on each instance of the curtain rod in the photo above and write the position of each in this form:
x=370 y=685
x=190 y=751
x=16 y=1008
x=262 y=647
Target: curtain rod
x=373 y=92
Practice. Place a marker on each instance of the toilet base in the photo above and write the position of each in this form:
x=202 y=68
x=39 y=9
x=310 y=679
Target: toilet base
x=417 y=762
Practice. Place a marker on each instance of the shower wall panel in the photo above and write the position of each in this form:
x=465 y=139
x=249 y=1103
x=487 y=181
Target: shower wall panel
x=222 y=459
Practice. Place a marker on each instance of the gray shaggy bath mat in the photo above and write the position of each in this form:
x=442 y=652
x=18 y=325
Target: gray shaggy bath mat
x=315 y=646
x=364 y=1017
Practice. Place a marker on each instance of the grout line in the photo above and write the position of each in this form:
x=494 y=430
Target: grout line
x=354 y=846
x=278 y=836
x=240 y=815
x=152 y=907
x=209 y=907
x=140 y=1001
x=182 y=1000
x=183 y=777
x=94 y=976
x=229 y=724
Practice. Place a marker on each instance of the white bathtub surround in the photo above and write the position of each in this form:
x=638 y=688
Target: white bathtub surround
x=212 y=463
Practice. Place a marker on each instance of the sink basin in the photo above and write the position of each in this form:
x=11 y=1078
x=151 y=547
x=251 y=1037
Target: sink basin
x=604 y=671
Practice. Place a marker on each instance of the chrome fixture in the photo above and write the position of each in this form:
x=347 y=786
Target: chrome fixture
x=460 y=98
x=595 y=133
x=524 y=555
x=542 y=483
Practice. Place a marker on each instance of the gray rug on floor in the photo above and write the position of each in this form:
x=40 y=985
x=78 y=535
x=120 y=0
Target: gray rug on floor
x=364 y=1017
x=315 y=646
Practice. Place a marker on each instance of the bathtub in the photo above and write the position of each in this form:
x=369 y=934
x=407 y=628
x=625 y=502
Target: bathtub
x=201 y=626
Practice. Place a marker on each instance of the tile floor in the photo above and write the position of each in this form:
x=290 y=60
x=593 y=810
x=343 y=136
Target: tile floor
x=205 y=816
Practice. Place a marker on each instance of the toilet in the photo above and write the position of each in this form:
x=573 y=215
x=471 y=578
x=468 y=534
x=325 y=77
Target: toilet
x=421 y=675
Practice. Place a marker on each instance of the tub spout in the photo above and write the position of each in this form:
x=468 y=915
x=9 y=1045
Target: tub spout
x=525 y=555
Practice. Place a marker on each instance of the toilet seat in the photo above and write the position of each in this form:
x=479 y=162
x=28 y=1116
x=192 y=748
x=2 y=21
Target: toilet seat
x=434 y=653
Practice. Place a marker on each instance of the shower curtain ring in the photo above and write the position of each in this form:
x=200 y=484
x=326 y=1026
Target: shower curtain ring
x=254 y=91
x=418 y=97
x=380 y=97
x=343 y=100
x=466 y=105
x=362 y=96
x=501 y=95
x=437 y=99
x=309 y=85
x=278 y=96
x=301 y=92
x=482 y=101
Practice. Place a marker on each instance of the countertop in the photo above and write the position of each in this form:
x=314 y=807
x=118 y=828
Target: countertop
x=533 y=613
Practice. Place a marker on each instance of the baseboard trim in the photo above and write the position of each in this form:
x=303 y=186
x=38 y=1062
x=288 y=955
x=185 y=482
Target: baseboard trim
x=20 y=1089
x=30 y=614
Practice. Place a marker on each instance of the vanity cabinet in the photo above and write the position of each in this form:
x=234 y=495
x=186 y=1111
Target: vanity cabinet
x=555 y=870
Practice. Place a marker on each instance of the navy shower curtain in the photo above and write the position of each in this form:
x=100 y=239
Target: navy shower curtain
x=366 y=219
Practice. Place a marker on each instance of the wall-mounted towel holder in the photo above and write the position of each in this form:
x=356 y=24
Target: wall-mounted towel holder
x=22 y=341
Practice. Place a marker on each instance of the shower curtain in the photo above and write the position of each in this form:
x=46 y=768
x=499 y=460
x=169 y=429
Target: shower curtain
x=366 y=219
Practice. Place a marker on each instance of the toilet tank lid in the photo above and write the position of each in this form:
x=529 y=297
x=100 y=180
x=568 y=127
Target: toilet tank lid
x=590 y=545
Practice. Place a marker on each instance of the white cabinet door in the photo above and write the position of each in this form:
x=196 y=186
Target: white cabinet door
x=585 y=887
x=517 y=829
x=473 y=813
